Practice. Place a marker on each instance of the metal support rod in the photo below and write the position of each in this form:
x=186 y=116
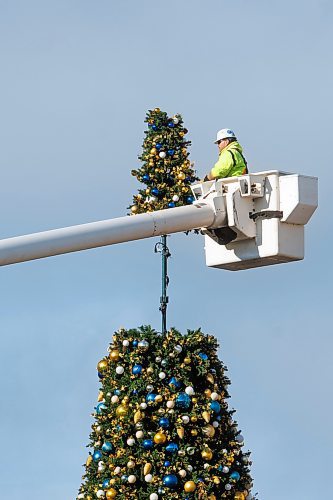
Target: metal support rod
x=107 y=232
x=162 y=247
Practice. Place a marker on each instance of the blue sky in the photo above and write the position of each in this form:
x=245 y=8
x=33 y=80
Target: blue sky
x=76 y=80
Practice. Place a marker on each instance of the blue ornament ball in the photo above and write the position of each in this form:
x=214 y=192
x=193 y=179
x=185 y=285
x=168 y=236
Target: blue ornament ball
x=137 y=369
x=171 y=152
x=235 y=476
x=154 y=127
x=124 y=478
x=117 y=392
x=150 y=397
x=176 y=383
x=145 y=178
x=167 y=463
x=190 y=199
x=97 y=456
x=171 y=448
x=170 y=481
x=183 y=401
x=106 y=483
x=171 y=204
x=203 y=356
x=135 y=342
x=171 y=124
x=148 y=444
x=100 y=375
x=158 y=146
x=164 y=422
x=107 y=447
x=155 y=191
x=215 y=406
x=100 y=408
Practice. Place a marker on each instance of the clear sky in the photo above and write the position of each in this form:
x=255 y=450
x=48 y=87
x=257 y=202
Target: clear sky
x=77 y=78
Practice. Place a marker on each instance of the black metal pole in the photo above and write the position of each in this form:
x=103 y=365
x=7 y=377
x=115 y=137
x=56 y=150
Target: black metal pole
x=161 y=246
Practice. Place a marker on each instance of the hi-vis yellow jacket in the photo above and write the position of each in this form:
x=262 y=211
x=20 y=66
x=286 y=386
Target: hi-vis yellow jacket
x=231 y=162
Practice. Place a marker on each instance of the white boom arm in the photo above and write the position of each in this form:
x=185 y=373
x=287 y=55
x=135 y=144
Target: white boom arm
x=249 y=221
x=107 y=232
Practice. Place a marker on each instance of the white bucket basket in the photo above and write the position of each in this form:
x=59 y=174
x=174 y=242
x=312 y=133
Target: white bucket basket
x=266 y=211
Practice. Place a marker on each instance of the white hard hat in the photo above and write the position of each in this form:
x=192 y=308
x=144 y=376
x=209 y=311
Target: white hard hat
x=225 y=133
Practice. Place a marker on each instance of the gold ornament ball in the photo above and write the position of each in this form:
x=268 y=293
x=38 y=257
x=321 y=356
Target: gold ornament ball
x=157 y=110
x=189 y=486
x=194 y=419
x=89 y=460
x=187 y=361
x=134 y=209
x=216 y=480
x=208 y=431
x=102 y=365
x=114 y=355
x=111 y=493
x=160 y=438
x=121 y=411
x=239 y=496
x=181 y=176
x=207 y=454
x=126 y=399
x=150 y=370
x=158 y=398
x=208 y=393
x=153 y=151
x=194 y=432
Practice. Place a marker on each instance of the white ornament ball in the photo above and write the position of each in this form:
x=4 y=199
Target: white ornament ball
x=171 y=410
x=131 y=479
x=117 y=470
x=100 y=494
x=99 y=429
x=189 y=468
x=162 y=154
x=81 y=495
x=228 y=487
x=125 y=343
x=239 y=438
x=130 y=464
x=182 y=473
x=114 y=399
x=175 y=120
x=215 y=424
x=214 y=396
x=148 y=478
x=225 y=469
x=120 y=370
x=162 y=375
x=143 y=406
x=170 y=404
x=101 y=467
x=139 y=434
x=206 y=466
x=153 y=496
x=189 y=390
x=175 y=197
x=185 y=419
x=178 y=348
x=131 y=442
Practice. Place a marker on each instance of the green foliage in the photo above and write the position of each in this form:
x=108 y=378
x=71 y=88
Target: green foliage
x=166 y=170
x=209 y=447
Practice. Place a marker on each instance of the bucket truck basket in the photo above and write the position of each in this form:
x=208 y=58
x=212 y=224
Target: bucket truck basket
x=265 y=217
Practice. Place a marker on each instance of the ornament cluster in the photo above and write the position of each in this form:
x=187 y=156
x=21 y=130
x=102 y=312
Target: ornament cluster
x=166 y=171
x=162 y=426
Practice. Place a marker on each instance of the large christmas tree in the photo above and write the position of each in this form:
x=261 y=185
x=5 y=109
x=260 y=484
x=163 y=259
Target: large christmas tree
x=163 y=429
x=166 y=171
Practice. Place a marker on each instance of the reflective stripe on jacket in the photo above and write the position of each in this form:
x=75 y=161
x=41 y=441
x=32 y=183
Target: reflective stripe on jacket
x=231 y=162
